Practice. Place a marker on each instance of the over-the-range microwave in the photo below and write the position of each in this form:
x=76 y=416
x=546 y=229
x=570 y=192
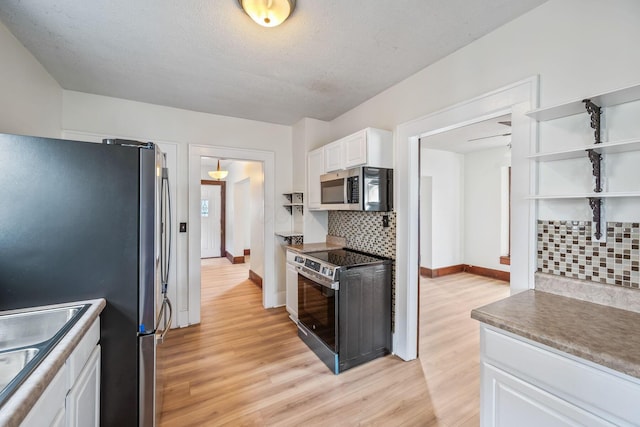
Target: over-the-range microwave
x=358 y=189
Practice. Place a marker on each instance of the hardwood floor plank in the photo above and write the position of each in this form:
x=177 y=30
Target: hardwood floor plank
x=245 y=366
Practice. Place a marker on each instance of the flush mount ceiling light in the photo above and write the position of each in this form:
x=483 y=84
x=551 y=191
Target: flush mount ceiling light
x=218 y=174
x=268 y=13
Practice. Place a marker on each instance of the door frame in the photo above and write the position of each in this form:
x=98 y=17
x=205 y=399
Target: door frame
x=518 y=98
x=223 y=211
x=267 y=158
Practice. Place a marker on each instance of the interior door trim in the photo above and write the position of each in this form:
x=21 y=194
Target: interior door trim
x=223 y=210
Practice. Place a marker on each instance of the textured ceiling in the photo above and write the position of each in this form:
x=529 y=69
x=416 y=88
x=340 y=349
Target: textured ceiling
x=207 y=55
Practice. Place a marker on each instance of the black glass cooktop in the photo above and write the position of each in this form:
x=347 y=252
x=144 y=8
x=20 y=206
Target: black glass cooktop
x=346 y=257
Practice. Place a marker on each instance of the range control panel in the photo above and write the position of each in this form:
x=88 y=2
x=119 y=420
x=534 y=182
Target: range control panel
x=323 y=268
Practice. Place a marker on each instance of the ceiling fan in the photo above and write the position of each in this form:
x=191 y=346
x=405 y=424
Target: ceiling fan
x=505 y=123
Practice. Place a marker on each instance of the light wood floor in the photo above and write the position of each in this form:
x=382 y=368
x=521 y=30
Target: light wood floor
x=244 y=365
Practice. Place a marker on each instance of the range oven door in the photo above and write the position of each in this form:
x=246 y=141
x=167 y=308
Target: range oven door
x=317 y=310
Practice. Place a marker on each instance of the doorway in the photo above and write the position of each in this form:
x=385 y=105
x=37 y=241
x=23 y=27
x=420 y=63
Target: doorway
x=517 y=99
x=262 y=260
x=212 y=218
x=464 y=220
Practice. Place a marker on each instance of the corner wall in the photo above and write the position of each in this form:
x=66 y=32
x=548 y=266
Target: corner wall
x=446 y=170
x=482 y=207
x=31 y=101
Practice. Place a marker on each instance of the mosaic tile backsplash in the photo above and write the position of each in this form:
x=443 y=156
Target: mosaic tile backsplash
x=565 y=248
x=364 y=231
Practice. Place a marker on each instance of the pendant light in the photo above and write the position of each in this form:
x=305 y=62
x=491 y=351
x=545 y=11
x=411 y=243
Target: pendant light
x=268 y=13
x=218 y=174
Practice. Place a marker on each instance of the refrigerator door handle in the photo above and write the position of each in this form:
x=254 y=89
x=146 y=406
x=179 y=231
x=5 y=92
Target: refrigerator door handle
x=166 y=304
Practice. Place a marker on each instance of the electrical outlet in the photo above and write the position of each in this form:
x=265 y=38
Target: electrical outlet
x=385 y=221
x=183 y=227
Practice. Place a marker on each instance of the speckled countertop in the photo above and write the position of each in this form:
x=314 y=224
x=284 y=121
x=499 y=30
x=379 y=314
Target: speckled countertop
x=20 y=403
x=314 y=247
x=598 y=333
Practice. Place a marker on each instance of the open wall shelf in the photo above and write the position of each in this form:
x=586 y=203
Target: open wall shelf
x=294 y=205
x=602 y=195
x=574 y=153
x=593 y=106
x=608 y=99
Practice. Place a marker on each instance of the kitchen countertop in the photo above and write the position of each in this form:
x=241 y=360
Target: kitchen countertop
x=601 y=334
x=313 y=247
x=20 y=403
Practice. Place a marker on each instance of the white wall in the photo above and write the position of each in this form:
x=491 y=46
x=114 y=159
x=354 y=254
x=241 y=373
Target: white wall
x=111 y=116
x=31 y=100
x=482 y=207
x=249 y=174
x=307 y=135
x=244 y=213
x=446 y=170
x=460 y=208
x=577 y=47
x=426 y=222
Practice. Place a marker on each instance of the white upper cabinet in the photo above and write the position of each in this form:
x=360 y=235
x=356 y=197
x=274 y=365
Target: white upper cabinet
x=334 y=156
x=315 y=168
x=368 y=147
x=355 y=149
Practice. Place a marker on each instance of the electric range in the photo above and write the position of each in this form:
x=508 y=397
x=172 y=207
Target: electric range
x=344 y=305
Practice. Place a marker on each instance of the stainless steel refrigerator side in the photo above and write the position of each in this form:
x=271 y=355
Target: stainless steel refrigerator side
x=163 y=230
x=148 y=287
x=147 y=378
x=148 y=273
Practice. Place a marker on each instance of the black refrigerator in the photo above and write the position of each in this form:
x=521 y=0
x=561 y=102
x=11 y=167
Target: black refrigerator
x=81 y=220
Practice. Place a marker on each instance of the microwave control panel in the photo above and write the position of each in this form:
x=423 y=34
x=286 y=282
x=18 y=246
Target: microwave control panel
x=353 y=189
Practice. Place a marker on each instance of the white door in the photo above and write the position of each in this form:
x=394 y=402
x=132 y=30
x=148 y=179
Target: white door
x=210 y=227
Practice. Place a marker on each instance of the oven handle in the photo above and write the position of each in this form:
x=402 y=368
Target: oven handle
x=320 y=281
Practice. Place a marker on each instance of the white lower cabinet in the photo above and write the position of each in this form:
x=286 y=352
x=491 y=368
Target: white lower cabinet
x=72 y=398
x=511 y=401
x=83 y=400
x=527 y=384
x=292 y=292
x=49 y=410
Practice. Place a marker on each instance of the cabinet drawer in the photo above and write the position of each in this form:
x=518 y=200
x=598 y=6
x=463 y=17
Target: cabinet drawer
x=610 y=395
x=81 y=353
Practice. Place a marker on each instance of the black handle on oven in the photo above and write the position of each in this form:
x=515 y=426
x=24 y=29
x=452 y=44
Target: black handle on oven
x=318 y=279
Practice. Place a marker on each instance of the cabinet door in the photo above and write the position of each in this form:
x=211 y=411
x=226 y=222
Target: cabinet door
x=83 y=400
x=509 y=401
x=355 y=149
x=334 y=156
x=292 y=291
x=315 y=168
x=49 y=410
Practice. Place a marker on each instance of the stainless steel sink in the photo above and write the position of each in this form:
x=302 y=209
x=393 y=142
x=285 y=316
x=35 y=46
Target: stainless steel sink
x=12 y=362
x=33 y=327
x=27 y=338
